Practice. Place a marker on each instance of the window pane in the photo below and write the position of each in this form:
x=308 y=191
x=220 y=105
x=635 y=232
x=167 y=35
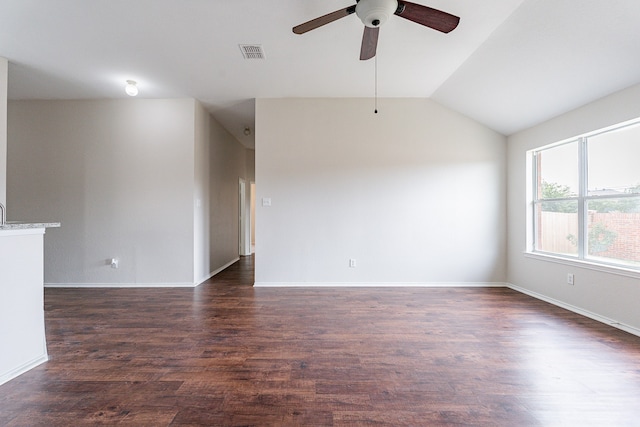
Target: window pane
x=613 y=229
x=606 y=230
x=557 y=227
x=558 y=171
x=614 y=162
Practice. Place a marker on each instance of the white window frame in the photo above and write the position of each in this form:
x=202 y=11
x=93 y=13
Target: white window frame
x=581 y=258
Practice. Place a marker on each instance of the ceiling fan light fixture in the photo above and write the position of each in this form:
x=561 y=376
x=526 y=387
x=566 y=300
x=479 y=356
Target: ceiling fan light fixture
x=374 y=13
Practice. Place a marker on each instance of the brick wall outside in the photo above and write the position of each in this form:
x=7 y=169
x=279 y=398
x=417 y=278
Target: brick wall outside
x=627 y=228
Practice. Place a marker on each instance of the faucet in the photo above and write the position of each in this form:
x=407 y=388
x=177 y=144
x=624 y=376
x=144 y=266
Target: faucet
x=3 y=218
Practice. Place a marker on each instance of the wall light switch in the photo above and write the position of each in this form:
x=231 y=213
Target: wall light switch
x=266 y=201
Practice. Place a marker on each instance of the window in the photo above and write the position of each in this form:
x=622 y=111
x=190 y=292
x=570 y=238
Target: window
x=586 y=197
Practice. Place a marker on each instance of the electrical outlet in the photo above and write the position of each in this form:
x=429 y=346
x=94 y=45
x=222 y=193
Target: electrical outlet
x=352 y=263
x=115 y=263
x=570 y=279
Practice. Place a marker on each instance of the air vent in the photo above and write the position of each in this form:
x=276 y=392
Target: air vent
x=252 y=51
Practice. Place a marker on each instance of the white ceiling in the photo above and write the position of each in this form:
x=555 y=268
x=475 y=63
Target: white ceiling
x=510 y=64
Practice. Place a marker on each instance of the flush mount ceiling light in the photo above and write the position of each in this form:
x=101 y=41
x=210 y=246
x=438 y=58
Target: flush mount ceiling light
x=131 y=88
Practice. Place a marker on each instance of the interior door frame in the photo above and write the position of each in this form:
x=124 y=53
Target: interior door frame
x=242 y=217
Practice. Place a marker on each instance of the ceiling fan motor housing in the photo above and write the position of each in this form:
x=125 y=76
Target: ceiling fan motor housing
x=374 y=13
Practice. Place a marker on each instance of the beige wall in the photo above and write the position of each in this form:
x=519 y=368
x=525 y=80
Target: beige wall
x=228 y=164
x=415 y=193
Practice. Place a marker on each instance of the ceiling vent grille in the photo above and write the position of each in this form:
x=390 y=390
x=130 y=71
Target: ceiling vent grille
x=252 y=51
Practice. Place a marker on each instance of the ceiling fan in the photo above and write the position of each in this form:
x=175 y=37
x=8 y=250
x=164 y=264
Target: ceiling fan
x=374 y=13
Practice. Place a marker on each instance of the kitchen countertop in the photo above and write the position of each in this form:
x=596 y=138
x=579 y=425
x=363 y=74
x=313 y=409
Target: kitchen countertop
x=23 y=225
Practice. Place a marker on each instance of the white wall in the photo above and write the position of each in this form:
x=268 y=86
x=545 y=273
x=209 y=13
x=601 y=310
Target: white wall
x=118 y=175
x=415 y=193
x=201 y=199
x=4 y=76
x=596 y=293
x=22 y=329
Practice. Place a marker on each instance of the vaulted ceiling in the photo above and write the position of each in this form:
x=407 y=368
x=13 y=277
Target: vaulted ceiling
x=510 y=64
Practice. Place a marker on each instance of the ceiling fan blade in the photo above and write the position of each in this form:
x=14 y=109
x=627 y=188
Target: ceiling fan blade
x=324 y=20
x=369 y=43
x=432 y=18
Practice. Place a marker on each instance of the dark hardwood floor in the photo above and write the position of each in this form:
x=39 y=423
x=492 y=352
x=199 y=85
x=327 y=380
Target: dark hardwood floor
x=228 y=354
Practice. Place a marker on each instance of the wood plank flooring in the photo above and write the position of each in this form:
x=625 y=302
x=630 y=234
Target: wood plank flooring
x=230 y=355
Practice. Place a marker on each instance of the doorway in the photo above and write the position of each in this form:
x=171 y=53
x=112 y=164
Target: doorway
x=246 y=217
x=242 y=218
x=253 y=217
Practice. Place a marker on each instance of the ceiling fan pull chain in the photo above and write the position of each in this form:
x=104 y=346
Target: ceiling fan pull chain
x=375 y=59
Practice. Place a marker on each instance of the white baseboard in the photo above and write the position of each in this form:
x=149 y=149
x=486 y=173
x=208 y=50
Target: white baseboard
x=379 y=284
x=213 y=273
x=8 y=376
x=120 y=285
x=577 y=310
x=141 y=285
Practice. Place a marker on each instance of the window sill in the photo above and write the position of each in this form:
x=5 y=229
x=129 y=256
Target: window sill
x=590 y=265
